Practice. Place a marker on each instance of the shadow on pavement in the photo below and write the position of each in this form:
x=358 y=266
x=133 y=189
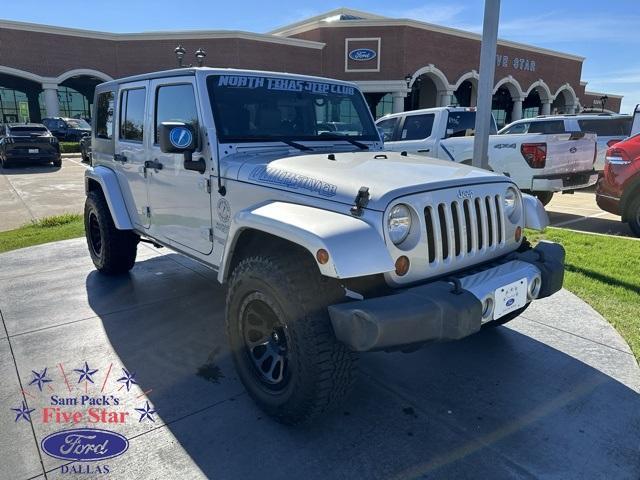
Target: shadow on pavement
x=29 y=168
x=496 y=405
x=590 y=224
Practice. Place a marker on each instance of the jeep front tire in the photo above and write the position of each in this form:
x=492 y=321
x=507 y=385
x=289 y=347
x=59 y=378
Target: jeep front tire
x=113 y=251
x=281 y=338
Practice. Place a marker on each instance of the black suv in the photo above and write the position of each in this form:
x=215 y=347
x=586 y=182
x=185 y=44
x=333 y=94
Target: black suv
x=68 y=129
x=26 y=142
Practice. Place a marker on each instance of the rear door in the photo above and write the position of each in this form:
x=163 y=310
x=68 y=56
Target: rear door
x=130 y=149
x=179 y=198
x=413 y=134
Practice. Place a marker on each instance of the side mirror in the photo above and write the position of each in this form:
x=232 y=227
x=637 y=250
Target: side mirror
x=177 y=137
x=180 y=137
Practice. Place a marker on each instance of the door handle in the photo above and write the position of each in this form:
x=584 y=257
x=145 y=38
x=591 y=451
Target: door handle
x=118 y=157
x=424 y=151
x=155 y=164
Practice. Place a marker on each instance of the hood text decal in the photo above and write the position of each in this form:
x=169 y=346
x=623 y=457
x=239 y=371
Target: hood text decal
x=295 y=181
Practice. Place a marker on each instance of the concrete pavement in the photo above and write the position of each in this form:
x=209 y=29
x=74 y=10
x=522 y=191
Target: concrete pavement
x=35 y=191
x=554 y=394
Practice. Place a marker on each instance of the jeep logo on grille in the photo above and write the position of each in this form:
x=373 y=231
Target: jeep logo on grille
x=465 y=193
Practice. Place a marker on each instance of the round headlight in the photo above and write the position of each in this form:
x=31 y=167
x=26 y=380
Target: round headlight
x=512 y=204
x=399 y=223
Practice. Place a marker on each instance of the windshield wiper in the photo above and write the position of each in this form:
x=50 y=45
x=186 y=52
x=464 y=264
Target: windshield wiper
x=297 y=145
x=346 y=138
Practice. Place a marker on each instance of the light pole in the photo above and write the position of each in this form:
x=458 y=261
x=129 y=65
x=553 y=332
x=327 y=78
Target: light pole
x=485 y=83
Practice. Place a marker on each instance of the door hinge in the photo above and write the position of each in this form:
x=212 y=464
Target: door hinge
x=208 y=185
x=211 y=235
x=147 y=211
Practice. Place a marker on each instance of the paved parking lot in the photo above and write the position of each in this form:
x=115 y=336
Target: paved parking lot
x=554 y=395
x=34 y=191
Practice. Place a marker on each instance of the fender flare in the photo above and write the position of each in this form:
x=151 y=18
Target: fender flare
x=355 y=248
x=535 y=216
x=111 y=190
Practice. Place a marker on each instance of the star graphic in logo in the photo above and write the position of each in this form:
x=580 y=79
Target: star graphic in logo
x=146 y=412
x=23 y=412
x=128 y=379
x=85 y=373
x=39 y=378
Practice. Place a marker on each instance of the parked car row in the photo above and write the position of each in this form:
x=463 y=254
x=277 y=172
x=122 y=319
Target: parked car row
x=31 y=142
x=539 y=163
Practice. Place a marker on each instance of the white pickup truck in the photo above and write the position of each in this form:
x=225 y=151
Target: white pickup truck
x=538 y=163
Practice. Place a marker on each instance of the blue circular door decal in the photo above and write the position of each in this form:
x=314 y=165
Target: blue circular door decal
x=180 y=137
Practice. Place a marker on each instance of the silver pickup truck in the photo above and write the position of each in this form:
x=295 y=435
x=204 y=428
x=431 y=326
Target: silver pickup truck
x=328 y=245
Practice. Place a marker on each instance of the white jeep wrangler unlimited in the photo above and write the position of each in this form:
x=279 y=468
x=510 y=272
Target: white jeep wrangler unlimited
x=328 y=244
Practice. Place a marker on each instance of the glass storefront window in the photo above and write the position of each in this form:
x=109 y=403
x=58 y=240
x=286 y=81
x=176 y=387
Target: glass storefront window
x=14 y=106
x=384 y=106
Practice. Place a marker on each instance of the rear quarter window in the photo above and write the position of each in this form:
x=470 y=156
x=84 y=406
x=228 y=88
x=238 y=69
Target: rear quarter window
x=607 y=127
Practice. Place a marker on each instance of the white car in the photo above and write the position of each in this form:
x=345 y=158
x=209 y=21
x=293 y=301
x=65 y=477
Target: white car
x=327 y=244
x=609 y=128
x=537 y=162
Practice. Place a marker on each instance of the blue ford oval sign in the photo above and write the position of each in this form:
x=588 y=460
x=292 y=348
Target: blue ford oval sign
x=84 y=444
x=180 y=137
x=510 y=302
x=362 y=54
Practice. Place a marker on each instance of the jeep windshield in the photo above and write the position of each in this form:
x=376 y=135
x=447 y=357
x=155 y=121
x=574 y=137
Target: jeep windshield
x=250 y=108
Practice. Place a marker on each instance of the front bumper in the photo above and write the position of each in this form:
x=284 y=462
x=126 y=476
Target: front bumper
x=443 y=310
x=564 y=181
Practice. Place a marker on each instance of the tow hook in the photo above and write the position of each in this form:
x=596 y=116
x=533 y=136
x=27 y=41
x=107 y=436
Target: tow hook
x=360 y=202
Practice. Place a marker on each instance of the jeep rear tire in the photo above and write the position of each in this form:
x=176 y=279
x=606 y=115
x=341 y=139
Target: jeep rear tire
x=57 y=163
x=633 y=216
x=113 y=251
x=281 y=338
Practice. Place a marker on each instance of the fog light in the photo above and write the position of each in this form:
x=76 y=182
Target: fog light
x=487 y=308
x=518 y=233
x=534 y=288
x=402 y=266
x=322 y=256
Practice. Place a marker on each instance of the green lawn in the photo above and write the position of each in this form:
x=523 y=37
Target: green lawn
x=50 y=229
x=605 y=272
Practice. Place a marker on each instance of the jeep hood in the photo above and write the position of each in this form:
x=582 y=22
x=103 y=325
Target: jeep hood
x=339 y=176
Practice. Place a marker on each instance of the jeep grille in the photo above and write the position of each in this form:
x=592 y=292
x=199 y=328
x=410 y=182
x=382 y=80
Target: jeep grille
x=464 y=228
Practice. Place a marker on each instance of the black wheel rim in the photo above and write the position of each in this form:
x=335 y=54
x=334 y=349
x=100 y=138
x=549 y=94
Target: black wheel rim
x=265 y=342
x=94 y=234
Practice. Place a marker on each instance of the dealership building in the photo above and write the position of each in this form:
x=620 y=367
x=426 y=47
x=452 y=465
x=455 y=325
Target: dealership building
x=400 y=64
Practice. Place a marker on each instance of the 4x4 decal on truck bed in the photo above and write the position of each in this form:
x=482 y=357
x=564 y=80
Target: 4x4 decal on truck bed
x=275 y=176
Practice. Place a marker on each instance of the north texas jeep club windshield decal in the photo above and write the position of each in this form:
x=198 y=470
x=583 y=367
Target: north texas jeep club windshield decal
x=275 y=176
x=283 y=84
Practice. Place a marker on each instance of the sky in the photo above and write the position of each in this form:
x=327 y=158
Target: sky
x=605 y=32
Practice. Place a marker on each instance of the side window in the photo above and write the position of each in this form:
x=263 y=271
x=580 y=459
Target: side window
x=60 y=125
x=104 y=116
x=132 y=114
x=175 y=103
x=555 y=126
x=388 y=128
x=607 y=127
x=417 y=127
x=463 y=124
x=518 y=128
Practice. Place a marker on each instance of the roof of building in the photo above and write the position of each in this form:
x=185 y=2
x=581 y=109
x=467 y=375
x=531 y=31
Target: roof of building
x=346 y=17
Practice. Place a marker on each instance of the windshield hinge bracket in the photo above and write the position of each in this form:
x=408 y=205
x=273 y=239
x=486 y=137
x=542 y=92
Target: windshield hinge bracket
x=361 y=201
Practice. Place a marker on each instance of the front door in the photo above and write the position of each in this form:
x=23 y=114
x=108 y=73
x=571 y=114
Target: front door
x=129 y=157
x=179 y=198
